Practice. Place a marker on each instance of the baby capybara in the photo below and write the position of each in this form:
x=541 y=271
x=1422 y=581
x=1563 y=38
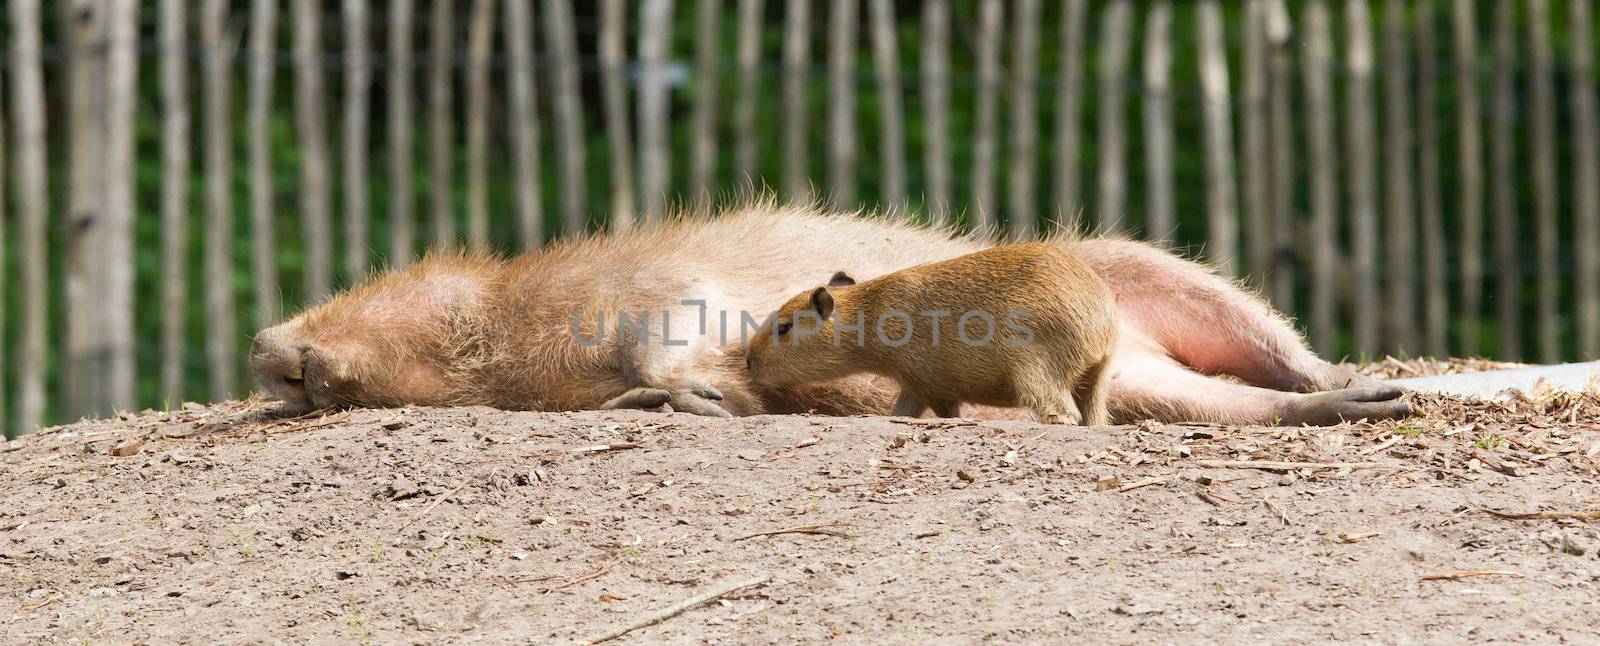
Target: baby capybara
x=1048 y=327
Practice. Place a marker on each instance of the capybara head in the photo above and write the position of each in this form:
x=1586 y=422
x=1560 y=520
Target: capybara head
x=402 y=338
x=797 y=345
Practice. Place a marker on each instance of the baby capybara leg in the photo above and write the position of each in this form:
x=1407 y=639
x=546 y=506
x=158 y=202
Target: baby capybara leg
x=945 y=409
x=1207 y=322
x=1092 y=391
x=908 y=405
x=1049 y=404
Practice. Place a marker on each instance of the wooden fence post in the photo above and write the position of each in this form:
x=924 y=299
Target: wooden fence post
x=6 y=431
x=524 y=125
x=842 y=51
x=796 y=77
x=1222 y=215
x=83 y=279
x=744 y=107
x=655 y=155
x=1069 y=102
x=27 y=102
x=441 y=131
x=480 y=43
x=222 y=326
x=175 y=125
x=707 y=76
x=1435 y=304
x=315 y=183
x=1258 y=233
x=1024 y=121
x=258 y=115
x=613 y=54
x=1324 y=171
x=1544 y=180
x=1470 y=157
x=122 y=67
x=1114 y=43
x=1399 y=239
x=357 y=85
x=569 y=115
x=886 y=59
x=1586 y=183
x=1502 y=153
x=936 y=108
x=1161 y=212
x=402 y=174
x=1362 y=172
x=1285 y=223
x=991 y=15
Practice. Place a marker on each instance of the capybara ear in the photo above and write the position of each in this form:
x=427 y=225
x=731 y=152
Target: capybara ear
x=841 y=279
x=822 y=302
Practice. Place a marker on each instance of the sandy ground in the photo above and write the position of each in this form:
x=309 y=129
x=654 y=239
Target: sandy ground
x=226 y=524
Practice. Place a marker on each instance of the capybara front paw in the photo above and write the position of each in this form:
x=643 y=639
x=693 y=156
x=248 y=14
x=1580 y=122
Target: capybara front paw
x=1374 y=402
x=689 y=396
x=650 y=399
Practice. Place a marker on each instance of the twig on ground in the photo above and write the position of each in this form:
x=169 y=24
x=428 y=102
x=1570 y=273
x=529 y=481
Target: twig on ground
x=429 y=509
x=1356 y=537
x=1393 y=440
x=1281 y=514
x=1142 y=483
x=1546 y=515
x=599 y=572
x=1452 y=576
x=1289 y=466
x=800 y=529
x=715 y=592
x=326 y=421
x=614 y=446
x=54 y=597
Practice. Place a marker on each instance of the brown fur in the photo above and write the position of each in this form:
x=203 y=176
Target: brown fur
x=467 y=329
x=1056 y=369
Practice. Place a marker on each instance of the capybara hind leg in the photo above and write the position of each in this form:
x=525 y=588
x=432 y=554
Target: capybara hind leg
x=1207 y=322
x=1146 y=386
x=908 y=405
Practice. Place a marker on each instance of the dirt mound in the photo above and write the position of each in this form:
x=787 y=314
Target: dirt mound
x=226 y=524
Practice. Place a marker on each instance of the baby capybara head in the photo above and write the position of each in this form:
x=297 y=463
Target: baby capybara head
x=394 y=341
x=797 y=345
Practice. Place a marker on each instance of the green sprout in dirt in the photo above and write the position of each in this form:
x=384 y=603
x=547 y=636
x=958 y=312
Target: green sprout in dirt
x=357 y=624
x=1488 y=442
x=247 y=544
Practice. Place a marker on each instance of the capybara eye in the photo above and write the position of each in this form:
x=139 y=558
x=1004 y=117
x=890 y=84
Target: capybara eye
x=783 y=328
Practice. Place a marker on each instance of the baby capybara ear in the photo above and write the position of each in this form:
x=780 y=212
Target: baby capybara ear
x=841 y=279
x=822 y=302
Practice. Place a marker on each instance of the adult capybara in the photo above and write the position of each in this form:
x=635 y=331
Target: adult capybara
x=526 y=334
x=1021 y=325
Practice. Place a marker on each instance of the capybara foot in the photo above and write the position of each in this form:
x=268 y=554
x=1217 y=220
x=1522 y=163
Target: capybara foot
x=689 y=396
x=1376 y=402
x=650 y=399
x=1333 y=377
